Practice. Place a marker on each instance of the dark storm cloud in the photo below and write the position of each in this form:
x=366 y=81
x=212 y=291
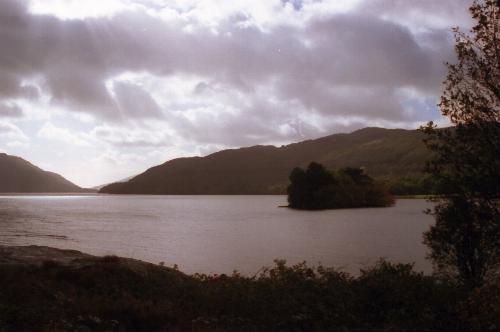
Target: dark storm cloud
x=353 y=64
x=133 y=101
x=10 y=111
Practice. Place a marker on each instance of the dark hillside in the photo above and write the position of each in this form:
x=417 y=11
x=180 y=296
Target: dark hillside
x=20 y=176
x=265 y=169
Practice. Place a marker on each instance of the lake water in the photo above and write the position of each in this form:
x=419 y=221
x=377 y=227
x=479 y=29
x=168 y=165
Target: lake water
x=217 y=234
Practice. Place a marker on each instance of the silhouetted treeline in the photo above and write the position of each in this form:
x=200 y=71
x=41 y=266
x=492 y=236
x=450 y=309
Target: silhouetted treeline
x=411 y=185
x=316 y=188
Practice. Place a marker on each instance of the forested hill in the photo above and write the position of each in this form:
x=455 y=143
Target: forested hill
x=20 y=176
x=265 y=169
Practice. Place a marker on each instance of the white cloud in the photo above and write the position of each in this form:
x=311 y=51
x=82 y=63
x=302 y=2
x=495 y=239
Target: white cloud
x=131 y=136
x=77 y=9
x=12 y=137
x=148 y=80
x=18 y=144
x=51 y=132
x=11 y=131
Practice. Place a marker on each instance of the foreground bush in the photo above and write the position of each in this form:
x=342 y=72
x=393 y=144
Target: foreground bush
x=110 y=294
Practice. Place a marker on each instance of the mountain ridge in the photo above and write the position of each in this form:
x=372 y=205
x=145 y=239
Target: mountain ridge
x=18 y=175
x=264 y=169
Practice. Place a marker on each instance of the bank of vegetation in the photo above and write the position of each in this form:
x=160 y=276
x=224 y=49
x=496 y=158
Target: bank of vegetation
x=418 y=186
x=116 y=294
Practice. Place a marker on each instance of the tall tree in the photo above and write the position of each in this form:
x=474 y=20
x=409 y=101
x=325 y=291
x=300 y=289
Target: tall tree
x=465 y=240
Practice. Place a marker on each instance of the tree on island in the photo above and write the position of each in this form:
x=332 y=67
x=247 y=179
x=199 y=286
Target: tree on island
x=465 y=241
x=316 y=188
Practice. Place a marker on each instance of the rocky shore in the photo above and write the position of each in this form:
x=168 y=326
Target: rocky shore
x=39 y=256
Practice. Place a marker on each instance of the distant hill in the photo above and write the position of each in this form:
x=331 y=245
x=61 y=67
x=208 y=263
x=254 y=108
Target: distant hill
x=20 y=176
x=265 y=169
x=99 y=187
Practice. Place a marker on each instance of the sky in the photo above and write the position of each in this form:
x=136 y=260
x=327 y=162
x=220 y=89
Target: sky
x=99 y=90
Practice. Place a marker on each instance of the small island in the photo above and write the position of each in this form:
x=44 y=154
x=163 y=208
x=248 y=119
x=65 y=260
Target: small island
x=317 y=189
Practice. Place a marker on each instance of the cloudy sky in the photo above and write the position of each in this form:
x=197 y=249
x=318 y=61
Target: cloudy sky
x=98 y=90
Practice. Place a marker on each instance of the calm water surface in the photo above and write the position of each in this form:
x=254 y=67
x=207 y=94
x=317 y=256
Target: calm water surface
x=217 y=233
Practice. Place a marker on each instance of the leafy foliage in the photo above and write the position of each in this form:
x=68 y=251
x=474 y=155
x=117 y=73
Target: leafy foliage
x=111 y=294
x=466 y=238
x=316 y=188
